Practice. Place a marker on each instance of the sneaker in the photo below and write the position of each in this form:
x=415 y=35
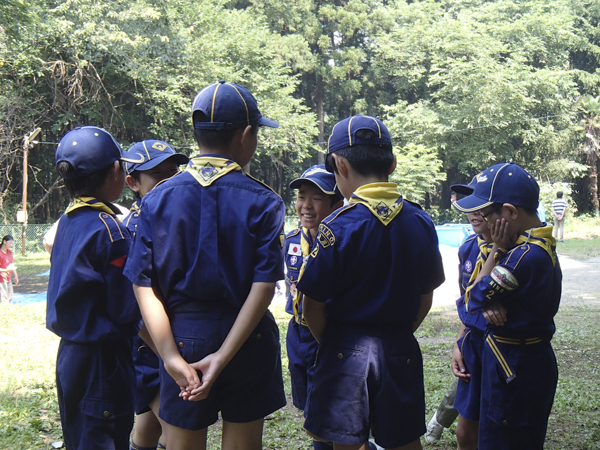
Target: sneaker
x=434 y=431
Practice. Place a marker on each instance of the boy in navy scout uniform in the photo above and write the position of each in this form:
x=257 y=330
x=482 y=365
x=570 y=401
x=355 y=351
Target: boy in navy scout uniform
x=518 y=366
x=91 y=305
x=154 y=161
x=317 y=198
x=464 y=395
x=204 y=263
x=368 y=284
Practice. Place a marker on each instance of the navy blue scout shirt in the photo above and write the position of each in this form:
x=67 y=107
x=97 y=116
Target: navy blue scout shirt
x=468 y=253
x=368 y=272
x=528 y=282
x=198 y=243
x=131 y=219
x=89 y=299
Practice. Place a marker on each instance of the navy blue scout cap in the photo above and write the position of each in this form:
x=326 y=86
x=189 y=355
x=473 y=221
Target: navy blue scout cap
x=502 y=183
x=344 y=134
x=148 y=154
x=465 y=189
x=228 y=106
x=320 y=177
x=88 y=149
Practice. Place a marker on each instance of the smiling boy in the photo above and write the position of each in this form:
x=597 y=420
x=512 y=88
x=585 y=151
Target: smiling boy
x=317 y=198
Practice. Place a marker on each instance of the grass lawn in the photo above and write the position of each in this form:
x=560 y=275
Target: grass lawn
x=29 y=417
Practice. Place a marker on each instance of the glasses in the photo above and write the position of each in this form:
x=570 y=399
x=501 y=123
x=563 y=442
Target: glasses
x=485 y=216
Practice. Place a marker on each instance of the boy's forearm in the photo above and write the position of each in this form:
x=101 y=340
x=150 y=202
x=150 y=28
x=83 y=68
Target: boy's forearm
x=314 y=314
x=254 y=308
x=156 y=321
x=426 y=302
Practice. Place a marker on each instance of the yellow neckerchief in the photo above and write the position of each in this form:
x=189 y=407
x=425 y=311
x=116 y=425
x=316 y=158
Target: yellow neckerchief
x=305 y=246
x=542 y=237
x=484 y=251
x=383 y=200
x=206 y=169
x=89 y=202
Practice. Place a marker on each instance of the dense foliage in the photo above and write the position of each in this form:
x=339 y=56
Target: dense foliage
x=460 y=84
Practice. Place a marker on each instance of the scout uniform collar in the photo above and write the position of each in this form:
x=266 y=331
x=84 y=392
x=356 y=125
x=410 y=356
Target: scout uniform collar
x=91 y=202
x=382 y=199
x=206 y=169
x=542 y=237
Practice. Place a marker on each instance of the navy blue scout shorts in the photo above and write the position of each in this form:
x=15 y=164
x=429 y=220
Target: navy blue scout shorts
x=367 y=378
x=301 y=350
x=95 y=384
x=468 y=394
x=249 y=388
x=145 y=362
x=514 y=415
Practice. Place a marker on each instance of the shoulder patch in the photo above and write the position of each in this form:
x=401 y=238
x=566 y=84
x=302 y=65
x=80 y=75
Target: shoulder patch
x=113 y=226
x=505 y=278
x=325 y=236
x=261 y=183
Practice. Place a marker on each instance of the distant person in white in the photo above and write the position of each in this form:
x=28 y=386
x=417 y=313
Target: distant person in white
x=559 y=208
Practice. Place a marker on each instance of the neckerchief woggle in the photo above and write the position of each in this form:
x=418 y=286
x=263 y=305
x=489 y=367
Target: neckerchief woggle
x=305 y=246
x=542 y=237
x=382 y=199
x=206 y=169
x=90 y=202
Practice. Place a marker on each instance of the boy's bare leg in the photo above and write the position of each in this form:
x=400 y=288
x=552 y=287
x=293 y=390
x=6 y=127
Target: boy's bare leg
x=155 y=407
x=182 y=439
x=467 y=434
x=241 y=436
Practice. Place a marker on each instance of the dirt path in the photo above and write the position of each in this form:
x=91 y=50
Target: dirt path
x=581 y=282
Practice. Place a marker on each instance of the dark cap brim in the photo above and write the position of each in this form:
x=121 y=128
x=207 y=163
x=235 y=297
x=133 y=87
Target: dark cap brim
x=462 y=189
x=471 y=203
x=263 y=121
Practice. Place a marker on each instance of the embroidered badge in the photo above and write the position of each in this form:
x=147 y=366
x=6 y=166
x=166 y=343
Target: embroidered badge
x=383 y=210
x=504 y=278
x=159 y=146
x=325 y=236
x=295 y=249
x=293 y=260
x=208 y=171
x=468 y=267
x=314 y=252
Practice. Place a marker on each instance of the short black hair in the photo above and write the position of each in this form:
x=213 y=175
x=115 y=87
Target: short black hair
x=364 y=158
x=220 y=139
x=559 y=194
x=86 y=185
x=7 y=238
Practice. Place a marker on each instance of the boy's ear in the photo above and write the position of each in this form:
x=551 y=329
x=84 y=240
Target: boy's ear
x=393 y=166
x=512 y=210
x=342 y=165
x=132 y=183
